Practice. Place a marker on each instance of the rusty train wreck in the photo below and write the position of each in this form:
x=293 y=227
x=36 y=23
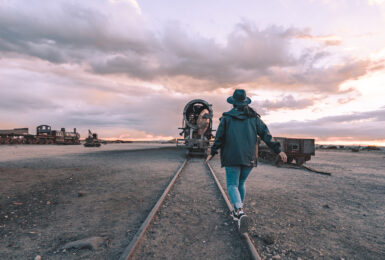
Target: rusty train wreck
x=196 y=127
x=92 y=140
x=44 y=135
x=296 y=149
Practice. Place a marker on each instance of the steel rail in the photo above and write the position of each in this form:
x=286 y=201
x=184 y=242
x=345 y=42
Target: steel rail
x=253 y=251
x=304 y=167
x=129 y=250
x=315 y=170
x=298 y=167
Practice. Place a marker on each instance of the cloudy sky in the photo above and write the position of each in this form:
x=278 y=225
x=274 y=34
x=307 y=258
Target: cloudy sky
x=126 y=68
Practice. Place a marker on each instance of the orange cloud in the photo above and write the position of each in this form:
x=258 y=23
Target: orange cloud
x=325 y=39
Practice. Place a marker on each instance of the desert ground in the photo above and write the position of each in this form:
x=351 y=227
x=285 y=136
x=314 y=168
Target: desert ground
x=300 y=214
x=53 y=195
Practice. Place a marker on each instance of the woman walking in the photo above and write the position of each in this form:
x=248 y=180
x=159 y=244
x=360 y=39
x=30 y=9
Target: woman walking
x=236 y=138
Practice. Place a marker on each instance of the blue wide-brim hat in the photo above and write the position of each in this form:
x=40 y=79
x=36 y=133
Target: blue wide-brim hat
x=239 y=98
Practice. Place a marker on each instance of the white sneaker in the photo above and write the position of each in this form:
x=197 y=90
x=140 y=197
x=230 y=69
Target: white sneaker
x=234 y=215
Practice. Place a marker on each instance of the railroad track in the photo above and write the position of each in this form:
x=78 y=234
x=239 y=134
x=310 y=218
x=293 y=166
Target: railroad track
x=252 y=250
x=133 y=245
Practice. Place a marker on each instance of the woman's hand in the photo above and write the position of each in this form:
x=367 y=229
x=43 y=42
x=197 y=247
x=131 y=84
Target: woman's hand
x=283 y=156
x=209 y=157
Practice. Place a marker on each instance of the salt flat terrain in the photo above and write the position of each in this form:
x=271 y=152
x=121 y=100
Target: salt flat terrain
x=51 y=195
x=19 y=152
x=298 y=213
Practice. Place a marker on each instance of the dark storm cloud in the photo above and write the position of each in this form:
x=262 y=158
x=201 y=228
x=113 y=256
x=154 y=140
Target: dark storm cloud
x=114 y=39
x=63 y=31
x=362 y=125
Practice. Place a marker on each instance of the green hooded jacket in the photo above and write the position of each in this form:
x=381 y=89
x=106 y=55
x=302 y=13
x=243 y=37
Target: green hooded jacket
x=236 y=138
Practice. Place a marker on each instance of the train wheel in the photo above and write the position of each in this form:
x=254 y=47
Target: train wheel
x=299 y=161
x=278 y=161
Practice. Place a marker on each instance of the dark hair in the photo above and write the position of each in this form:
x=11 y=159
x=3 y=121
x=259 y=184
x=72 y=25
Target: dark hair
x=249 y=112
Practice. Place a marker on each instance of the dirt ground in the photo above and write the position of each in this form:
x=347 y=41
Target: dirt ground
x=20 y=152
x=48 y=200
x=300 y=214
x=193 y=223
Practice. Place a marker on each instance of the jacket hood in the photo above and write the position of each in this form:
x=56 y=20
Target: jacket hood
x=236 y=114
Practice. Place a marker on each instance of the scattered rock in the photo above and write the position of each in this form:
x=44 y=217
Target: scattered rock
x=268 y=239
x=87 y=243
x=81 y=194
x=276 y=257
x=38 y=257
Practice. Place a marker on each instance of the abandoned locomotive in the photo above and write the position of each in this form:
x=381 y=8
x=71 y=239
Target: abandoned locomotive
x=44 y=135
x=196 y=127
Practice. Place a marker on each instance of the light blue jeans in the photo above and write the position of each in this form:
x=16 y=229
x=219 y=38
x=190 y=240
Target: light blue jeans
x=235 y=179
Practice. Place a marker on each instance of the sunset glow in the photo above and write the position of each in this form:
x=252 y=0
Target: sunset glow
x=125 y=69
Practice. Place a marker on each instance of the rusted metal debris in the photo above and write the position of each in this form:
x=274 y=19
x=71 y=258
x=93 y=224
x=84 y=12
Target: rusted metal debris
x=296 y=149
x=92 y=140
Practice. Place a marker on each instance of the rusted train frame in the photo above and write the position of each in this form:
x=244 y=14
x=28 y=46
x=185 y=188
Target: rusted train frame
x=298 y=149
x=44 y=135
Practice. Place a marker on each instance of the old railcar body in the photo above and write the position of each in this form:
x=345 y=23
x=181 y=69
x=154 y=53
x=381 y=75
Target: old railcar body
x=297 y=149
x=15 y=136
